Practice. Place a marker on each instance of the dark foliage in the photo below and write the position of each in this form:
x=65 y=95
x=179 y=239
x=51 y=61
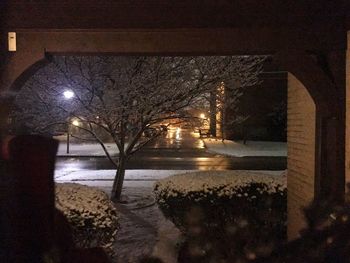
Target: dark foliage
x=325 y=240
x=219 y=228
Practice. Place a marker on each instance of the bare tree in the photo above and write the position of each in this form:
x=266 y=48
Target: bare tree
x=123 y=96
x=232 y=75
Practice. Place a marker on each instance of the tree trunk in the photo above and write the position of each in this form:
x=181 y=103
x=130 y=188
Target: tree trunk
x=119 y=179
x=212 y=122
x=244 y=133
x=223 y=122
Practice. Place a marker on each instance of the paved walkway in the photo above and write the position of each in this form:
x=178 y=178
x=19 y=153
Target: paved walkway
x=144 y=230
x=138 y=234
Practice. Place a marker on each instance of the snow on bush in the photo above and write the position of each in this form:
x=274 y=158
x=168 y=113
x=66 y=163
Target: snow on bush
x=91 y=214
x=220 y=183
x=222 y=197
x=221 y=212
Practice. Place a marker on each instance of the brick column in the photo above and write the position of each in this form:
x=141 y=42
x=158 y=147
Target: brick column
x=301 y=153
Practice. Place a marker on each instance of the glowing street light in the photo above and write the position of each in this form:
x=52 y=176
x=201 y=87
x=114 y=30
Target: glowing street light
x=68 y=94
x=202 y=116
x=75 y=123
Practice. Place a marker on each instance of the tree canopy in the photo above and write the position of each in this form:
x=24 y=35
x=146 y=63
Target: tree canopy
x=124 y=96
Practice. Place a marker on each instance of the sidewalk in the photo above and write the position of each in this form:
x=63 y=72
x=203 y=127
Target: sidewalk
x=251 y=148
x=104 y=178
x=86 y=150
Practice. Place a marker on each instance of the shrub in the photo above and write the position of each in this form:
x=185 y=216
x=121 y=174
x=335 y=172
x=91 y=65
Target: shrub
x=224 y=212
x=92 y=216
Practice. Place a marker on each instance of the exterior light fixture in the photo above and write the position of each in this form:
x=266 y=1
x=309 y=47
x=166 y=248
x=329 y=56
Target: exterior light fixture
x=12 y=45
x=68 y=94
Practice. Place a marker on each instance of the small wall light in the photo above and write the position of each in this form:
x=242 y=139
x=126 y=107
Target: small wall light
x=12 y=41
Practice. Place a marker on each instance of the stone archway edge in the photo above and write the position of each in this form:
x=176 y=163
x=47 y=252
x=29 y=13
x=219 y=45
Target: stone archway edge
x=329 y=97
x=33 y=46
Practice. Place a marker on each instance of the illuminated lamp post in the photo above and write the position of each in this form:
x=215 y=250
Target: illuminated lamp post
x=68 y=94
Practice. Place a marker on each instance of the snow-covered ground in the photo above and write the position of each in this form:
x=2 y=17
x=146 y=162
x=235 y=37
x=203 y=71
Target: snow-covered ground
x=133 y=178
x=231 y=148
x=86 y=149
x=145 y=177
x=144 y=230
x=251 y=148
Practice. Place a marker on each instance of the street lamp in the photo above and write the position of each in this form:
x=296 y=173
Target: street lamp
x=68 y=94
x=75 y=123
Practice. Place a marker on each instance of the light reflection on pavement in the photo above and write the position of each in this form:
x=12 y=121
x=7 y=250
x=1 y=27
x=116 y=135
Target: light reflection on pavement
x=177 y=149
x=178 y=138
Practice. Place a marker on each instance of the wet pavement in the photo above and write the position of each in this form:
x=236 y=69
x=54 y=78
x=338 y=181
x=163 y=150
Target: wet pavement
x=177 y=150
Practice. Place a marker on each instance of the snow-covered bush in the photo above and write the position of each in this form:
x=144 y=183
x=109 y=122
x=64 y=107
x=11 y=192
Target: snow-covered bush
x=92 y=216
x=223 y=212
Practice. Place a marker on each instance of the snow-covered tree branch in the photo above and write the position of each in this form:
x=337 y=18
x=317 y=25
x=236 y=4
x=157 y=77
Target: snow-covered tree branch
x=123 y=96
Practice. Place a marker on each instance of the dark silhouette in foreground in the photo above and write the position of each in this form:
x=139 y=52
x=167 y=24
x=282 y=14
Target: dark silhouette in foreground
x=32 y=229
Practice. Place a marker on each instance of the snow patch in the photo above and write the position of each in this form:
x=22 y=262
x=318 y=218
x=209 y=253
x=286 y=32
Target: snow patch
x=251 y=148
x=226 y=183
x=103 y=175
x=86 y=149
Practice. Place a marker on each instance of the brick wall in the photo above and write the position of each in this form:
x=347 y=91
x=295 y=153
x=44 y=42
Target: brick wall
x=301 y=153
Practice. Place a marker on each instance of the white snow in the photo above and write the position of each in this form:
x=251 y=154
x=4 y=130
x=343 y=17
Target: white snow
x=227 y=147
x=223 y=183
x=251 y=148
x=86 y=149
x=92 y=216
x=131 y=175
x=108 y=175
x=89 y=202
x=157 y=236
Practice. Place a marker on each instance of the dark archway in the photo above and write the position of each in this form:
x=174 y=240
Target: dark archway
x=30 y=71
x=319 y=74
x=328 y=93
x=6 y=102
x=330 y=115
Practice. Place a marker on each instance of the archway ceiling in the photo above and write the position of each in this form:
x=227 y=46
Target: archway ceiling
x=171 y=14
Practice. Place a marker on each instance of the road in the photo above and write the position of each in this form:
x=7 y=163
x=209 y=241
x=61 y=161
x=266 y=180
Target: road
x=177 y=150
